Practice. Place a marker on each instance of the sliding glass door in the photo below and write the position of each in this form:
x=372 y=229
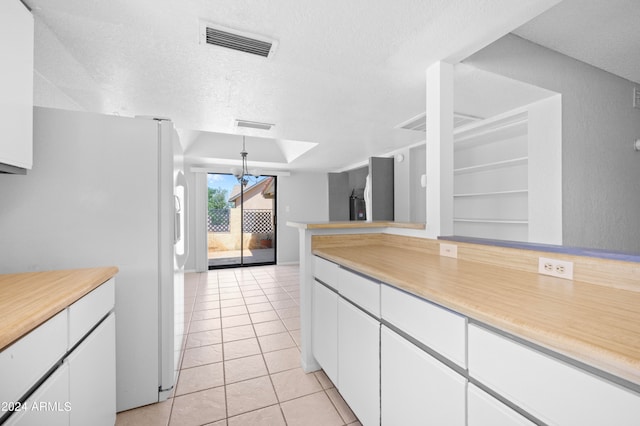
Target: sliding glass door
x=241 y=221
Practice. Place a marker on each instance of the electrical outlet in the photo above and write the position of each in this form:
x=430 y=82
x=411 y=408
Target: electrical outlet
x=449 y=250
x=555 y=268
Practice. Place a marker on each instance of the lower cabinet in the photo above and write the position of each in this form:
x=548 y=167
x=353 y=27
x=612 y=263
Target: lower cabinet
x=359 y=362
x=547 y=388
x=416 y=388
x=92 y=377
x=48 y=405
x=70 y=360
x=484 y=410
x=324 y=326
x=456 y=373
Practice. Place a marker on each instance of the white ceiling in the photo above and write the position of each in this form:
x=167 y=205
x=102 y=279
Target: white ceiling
x=345 y=73
x=602 y=33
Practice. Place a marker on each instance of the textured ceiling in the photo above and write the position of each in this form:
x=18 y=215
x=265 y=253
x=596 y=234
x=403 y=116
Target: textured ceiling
x=344 y=73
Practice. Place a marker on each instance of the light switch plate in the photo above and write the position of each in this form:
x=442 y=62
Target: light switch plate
x=449 y=250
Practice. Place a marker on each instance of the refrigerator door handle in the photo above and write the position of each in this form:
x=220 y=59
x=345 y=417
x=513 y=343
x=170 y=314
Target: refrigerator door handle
x=177 y=223
x=181 y=221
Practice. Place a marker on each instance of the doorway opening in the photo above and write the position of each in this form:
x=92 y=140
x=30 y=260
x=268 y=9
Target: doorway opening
x=241 y=221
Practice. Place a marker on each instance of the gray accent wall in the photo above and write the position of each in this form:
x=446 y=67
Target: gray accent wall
x=600 y=169
x=302 y=197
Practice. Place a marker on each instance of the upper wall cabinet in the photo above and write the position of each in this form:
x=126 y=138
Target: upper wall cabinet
x=16 y=87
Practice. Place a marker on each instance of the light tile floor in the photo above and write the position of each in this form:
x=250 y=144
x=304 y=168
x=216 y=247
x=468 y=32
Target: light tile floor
x=241 y=364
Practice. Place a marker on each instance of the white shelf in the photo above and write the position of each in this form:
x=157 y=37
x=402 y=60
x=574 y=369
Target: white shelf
x=490 y=166
x=489 y=194
x=501 y=221
x=488 y=131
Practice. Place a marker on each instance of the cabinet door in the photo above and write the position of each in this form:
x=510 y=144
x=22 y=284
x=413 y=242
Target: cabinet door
x=16 y=84
x=417 y=389
x=483 y=409
x=48 y=405
x=549 y=389
x=324 y=326
x=359 y=362
x=92 y=377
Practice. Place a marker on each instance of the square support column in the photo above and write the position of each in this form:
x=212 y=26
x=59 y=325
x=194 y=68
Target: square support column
x=439 y=150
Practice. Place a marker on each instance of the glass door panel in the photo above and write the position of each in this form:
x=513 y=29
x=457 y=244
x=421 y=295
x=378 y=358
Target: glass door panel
x=241 y=221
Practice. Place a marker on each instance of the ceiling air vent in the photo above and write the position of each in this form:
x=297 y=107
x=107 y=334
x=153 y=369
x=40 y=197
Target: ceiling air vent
x=419 y=122
x=253 y=125
x=237 y=40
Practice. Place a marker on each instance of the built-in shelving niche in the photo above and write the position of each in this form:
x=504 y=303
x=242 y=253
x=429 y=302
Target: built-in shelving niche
x=499 y=164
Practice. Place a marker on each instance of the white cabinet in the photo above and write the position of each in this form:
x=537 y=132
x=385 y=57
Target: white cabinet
x=16 y=86
x=440 y=329
x=346 y=337
x=26 y=361
x=360 y=290
x=92 y=377
x=48 y=405
x=73 y=356
x=549 y=389
x=88 y=311
x=416 y=388
x=324 y=325
x=359 y=362
x=483 y=410
x=326 y=271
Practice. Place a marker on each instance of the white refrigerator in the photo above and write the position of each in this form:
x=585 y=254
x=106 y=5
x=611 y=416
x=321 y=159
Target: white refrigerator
x=108 y=190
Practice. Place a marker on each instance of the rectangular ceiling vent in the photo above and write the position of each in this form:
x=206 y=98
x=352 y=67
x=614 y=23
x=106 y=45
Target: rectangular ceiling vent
x=253 y=125
x=419 y=122
x=237 y=40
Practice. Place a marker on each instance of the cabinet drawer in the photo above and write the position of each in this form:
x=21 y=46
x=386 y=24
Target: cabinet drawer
x=360 y=290
x=483 y=409
x=26 y=361
x=549 y=389
x=439 y=329
x=88 y=311
x=326 y=271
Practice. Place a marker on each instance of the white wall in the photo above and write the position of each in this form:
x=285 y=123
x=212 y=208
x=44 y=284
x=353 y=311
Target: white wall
x=302 y=197
x=600 y=170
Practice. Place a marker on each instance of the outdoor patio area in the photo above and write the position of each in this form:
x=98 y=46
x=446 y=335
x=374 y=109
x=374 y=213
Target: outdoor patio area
x=218 y=258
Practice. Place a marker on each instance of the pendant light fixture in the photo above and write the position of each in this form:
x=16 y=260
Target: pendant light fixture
x=244 y=175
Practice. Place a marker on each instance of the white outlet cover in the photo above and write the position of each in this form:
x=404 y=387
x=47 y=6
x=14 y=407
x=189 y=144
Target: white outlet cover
x=449 y=250
x=555 y=268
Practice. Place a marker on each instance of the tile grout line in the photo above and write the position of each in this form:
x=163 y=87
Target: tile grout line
x=238 y=282
x=267 y=367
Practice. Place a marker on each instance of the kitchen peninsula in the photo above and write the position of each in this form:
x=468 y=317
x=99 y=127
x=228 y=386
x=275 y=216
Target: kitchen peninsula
x=482 y=338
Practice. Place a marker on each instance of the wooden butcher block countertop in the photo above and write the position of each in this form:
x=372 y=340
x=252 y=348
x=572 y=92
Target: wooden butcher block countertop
x=593 y=324
x=30 y=299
